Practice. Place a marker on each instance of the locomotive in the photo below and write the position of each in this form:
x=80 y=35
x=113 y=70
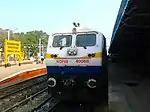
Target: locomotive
x=76 y=63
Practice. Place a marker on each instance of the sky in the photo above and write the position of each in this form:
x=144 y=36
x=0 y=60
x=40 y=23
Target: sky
x=54 y=15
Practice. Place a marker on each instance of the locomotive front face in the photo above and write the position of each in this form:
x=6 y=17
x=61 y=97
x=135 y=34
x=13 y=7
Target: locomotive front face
x=74 y=62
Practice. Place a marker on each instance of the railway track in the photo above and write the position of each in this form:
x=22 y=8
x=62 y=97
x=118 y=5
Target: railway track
x=19 y=85
x=11 y=96
x=23 y=102
x=47 y=105
x=32 y=96
x=52 y=104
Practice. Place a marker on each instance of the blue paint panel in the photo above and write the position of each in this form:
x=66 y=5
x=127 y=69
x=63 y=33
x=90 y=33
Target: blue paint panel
x=74 y=69
x=123 y=6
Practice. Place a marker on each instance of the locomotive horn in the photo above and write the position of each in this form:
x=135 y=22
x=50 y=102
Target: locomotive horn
x=78 y=24
x=75 y=25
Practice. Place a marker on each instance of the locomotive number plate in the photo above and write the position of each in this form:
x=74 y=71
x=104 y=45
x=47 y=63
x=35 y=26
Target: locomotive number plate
x=62 y=61
x=82 y=61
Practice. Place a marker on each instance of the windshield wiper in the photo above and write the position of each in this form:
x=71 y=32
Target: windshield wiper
x=61 y=47
x=84 y=47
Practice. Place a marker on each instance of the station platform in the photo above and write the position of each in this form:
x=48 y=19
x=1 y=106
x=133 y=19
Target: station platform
x=128 y=98
x=16 y=73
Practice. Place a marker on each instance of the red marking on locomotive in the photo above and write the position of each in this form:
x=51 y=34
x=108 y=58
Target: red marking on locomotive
x=82 y=61
x=61 y=61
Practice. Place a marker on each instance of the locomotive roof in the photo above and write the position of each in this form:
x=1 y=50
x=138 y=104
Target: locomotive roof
x=79 y=29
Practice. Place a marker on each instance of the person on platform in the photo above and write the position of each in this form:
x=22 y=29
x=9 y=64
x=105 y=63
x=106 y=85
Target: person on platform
x=42 y=59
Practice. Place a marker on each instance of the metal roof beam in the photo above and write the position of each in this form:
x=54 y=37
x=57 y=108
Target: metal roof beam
x=131 y=11
x=136 y=26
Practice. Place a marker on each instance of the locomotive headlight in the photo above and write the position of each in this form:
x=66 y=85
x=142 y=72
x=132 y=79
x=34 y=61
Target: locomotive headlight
x=51 y=82
x=69 y=52
x=74 y=52
x=91 y=83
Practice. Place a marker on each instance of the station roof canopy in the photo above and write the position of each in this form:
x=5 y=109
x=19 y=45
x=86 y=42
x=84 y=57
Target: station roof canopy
x=131 y=34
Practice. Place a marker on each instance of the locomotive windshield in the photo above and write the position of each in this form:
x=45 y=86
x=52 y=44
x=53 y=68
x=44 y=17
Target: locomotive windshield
x=85 y=40
x=62 y=41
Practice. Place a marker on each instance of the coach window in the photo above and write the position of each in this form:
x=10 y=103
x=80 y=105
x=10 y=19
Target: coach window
x=62 y=41
x=85 y=40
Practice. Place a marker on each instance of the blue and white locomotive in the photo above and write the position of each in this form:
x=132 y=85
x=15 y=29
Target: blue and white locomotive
x=76 y=64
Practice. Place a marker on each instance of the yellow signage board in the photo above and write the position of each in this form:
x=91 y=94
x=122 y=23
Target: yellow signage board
x=12 y=47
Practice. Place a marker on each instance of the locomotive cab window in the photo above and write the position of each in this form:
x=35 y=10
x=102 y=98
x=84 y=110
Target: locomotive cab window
x=62 y=41
x=85 y=40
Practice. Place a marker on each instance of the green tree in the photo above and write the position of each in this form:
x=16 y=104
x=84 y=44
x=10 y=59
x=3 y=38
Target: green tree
x=30 y=40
